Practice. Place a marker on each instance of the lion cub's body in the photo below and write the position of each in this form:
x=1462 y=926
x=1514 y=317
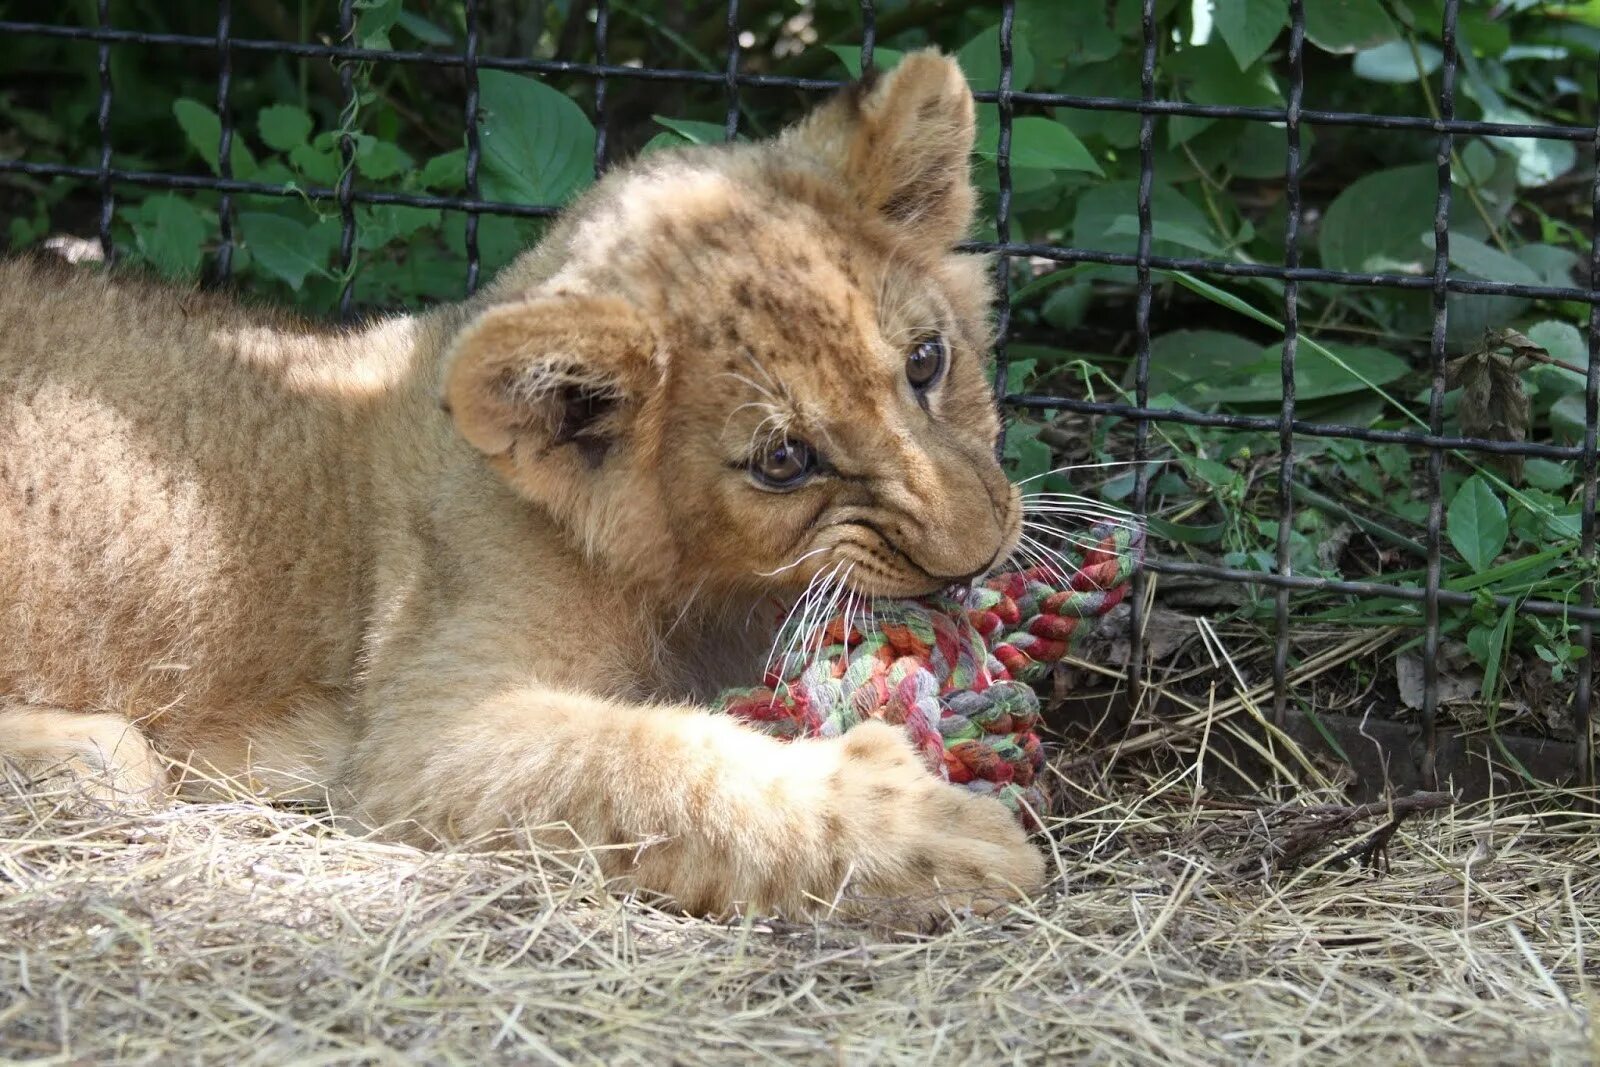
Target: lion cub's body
x=216 y=517
x=467 y=574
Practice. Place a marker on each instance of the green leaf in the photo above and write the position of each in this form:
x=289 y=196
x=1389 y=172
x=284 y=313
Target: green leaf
x=1566 y=418
x=1488 y=649
x=1163 y=230
x=1209 y=75
x=694 y=132
x=374 y=20
x=536 y=141
x=1029 y=456
x=1552 y=263
x=1018 y=371
x=422 y=29
x=446 y=171
x=1490 y=264
x=1099 y=221
x=204 y=131
x=1375 y=224
x=1039 y=142
x=1476 y=523
x=1548 y=474
x=1316 y=376
x=282 y=126
x=319 y=167
x=1560 y=340
x=980 y=60
x=1393 y=63
x=1248 y=27
x=169 y=233
x=1539 y=162
x=1187 y=535
x=287 y=248
x=1344 y=26
x=883 y=59
x=1182 y=358
x=382 y=159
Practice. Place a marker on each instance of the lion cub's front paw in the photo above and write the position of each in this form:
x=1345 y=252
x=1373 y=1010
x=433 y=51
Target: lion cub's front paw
x=918 y=838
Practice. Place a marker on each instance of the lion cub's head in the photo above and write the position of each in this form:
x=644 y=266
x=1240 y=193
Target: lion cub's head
x=742 y=367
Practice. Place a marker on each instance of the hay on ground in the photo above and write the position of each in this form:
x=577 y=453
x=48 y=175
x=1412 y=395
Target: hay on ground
x=1176 y=929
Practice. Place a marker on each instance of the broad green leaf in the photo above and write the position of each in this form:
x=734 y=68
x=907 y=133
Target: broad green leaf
x=422 y=29
x=1548 y=474
x=1182 y=358
x=1187 y=535
x=1040 y=143
x=883 y=59
x=536 y=141
x=1162 y=230
x=1249 y=27
x=204 y=131
x=446 y=171
x=1539 y=162
x=374 y=20
x=319 y=166
x=694 y=132
x=1566 y=418
x=980 y=60
x=1344 y=26
x=1018 y=371
x=282 y=126
x=1209 y=75
x=1096 y=224
x=1476 y=523
x=1374 y=225
x=1316 y=377
x=1480 y=260
x=1393 y=63
x=382 y=159
x=170 y=234
x=1561 y=340
x=287 y=248
x=1068 y=34
x=664 y=139
x=1552 y=263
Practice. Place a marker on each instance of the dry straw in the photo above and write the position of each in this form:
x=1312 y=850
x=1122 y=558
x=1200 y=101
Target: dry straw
x=1176 y=929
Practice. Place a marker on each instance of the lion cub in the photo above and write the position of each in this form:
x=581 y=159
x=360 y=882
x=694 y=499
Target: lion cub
x=467 y=573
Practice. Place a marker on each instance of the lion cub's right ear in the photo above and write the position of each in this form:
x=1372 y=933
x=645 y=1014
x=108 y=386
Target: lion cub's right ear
x=557 y=378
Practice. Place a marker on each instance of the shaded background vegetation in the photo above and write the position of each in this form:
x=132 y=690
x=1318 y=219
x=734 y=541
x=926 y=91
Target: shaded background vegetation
x=1522 y=214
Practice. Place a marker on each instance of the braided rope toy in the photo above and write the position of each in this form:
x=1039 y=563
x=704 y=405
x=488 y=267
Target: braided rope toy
x=953 y=670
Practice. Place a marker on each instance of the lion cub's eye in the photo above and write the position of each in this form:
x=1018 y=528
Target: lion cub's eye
x=925 y=362
x=784 y=464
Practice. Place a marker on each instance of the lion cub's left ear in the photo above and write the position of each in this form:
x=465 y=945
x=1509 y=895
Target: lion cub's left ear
x=902 y=142
x=550 y=381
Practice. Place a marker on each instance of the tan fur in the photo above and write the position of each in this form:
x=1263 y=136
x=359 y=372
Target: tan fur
x=469 y=573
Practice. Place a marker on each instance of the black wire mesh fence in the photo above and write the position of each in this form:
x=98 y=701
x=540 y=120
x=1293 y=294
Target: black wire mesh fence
x=224 y=49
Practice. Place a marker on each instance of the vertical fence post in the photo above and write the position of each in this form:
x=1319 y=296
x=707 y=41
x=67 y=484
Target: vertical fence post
x=1444 y=147
x=1291 y=347
x=474 y=145
x=1141 y=366
x=224 y=266
x=602 y=57
x=1583 y=697
x=1002 y=209
x=347 y=160
x=731 y=72
x=108 y=249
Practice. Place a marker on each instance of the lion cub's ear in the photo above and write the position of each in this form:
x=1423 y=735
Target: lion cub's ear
x=544 y=375
x=902 y=141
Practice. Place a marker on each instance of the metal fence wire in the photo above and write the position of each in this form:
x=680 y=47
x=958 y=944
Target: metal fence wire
x=1294 y=117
